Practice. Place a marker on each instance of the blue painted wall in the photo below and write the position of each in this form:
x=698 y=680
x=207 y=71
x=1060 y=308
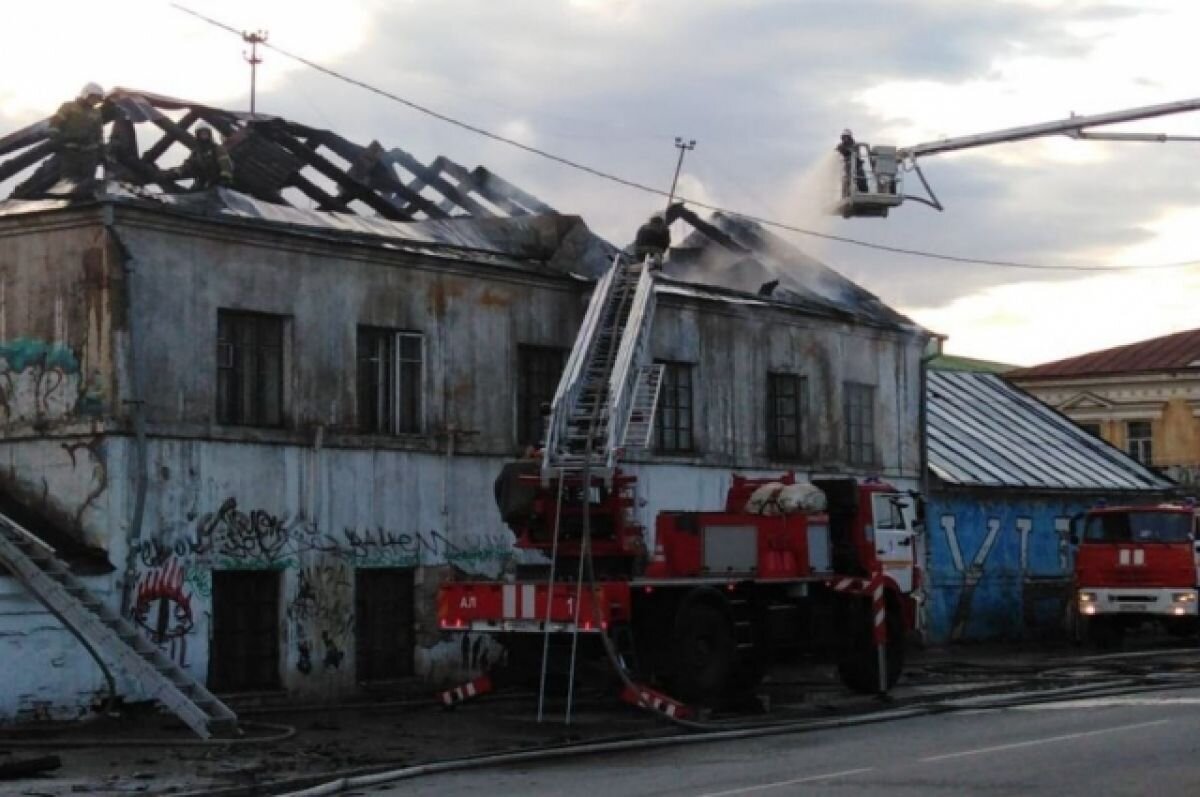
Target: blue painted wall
x=983 y=581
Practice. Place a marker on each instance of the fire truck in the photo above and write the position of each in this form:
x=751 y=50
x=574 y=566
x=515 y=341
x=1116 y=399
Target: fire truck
x=699 y=603
x=1136 y=564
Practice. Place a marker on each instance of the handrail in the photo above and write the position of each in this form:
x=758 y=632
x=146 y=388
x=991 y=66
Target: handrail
x=570 y=383
x=622 y=381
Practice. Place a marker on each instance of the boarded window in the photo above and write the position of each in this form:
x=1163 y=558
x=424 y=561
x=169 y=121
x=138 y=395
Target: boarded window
x=249 y=368
x=1139 y=441
x=538 y=370
x=674 y=415
x=787 y=409
x=245 y=630
x=391 y=370
x=383 y=623
x=859 y=414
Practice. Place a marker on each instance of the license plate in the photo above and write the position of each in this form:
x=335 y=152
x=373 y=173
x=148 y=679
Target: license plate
x=1131 y=607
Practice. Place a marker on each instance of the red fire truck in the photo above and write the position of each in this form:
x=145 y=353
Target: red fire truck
x=702 y=607
x=1136 y=564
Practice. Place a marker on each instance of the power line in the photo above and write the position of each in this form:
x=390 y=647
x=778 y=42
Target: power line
x=595 y=172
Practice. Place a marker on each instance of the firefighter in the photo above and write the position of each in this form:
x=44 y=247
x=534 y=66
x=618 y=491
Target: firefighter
x=209 y=165
x=77 y=134
x=852 y=162
x=653 y=240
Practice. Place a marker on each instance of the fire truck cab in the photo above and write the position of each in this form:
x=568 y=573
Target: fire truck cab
x=1136 y=564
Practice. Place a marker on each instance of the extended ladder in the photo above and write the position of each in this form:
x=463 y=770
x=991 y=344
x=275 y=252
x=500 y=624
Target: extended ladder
x=116 y=639
x=606 y=397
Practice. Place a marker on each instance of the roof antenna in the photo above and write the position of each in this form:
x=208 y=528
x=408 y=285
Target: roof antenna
x=684 y=148
x=253 y=39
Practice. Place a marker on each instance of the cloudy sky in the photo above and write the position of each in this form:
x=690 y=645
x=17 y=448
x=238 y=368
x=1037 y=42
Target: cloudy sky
x=764 y=86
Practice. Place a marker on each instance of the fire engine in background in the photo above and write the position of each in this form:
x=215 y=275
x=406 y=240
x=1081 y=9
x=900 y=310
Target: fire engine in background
x=702 y=605
x=1136 y=564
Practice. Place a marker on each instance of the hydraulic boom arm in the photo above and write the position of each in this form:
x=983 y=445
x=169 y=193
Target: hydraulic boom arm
x=872 y=181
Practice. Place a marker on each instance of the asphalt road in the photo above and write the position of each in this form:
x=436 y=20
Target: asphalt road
x=1140 y=745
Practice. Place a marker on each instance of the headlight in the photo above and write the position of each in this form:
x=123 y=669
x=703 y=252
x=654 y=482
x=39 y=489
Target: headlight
x=1183 y=597
x=1087 y=597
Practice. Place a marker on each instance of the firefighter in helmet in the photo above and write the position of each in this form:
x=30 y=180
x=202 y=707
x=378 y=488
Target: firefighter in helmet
x=209 y=165
x=653 y=240
x=77 y=134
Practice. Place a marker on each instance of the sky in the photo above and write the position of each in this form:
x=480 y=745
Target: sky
x=764 y=87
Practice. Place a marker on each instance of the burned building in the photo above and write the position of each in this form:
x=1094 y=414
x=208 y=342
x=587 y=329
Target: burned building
x=261 y=423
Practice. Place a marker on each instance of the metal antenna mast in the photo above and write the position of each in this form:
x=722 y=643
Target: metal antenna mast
x=253 y=39
x=684 y=148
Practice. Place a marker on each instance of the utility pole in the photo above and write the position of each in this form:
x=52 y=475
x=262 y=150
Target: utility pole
x=684 y=148
x=253 y=39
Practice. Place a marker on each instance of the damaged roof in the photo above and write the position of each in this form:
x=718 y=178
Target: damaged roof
x=288 y=174
x=739 y=254
x=985 y=432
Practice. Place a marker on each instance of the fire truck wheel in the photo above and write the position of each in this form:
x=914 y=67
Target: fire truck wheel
x=858 y=666
x=705 y=653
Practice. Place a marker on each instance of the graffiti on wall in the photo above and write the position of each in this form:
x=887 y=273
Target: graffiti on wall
x=175 y=575
x=42 y=382
x=1024 y=560
x=162 y=608
x=321 y=609
x=231 y=537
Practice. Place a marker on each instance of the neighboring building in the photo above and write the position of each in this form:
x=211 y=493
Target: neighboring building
x=1006 y=476
x=1143 y=398
x=269 y=432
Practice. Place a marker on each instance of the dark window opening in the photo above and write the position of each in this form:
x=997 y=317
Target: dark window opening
x=674 y=415
x=1091 y=428
x=249 y=369
x=383 y=623
x=245 y=630
x=860 y=423
x=538 y=371
x=391 y=367
x=787 y=408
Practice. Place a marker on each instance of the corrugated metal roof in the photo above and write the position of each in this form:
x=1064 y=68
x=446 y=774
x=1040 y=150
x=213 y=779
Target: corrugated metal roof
x=1167 y=353
x=984 y=432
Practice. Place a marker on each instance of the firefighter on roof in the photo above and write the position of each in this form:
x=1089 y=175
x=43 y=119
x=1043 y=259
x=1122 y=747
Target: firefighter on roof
x=77 y=133
x=653 y=239
x=209 y=165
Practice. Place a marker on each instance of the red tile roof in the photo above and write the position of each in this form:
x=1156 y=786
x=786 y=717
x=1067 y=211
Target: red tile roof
x=1175 y=352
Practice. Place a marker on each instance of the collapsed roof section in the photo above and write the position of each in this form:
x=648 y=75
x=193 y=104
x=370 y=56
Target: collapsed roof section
x=273 y=157
x=740 y=254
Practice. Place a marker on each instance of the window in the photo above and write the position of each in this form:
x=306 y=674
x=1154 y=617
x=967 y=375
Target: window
x=860 y=423
x=538 y=370
x=249 y=369
x=1091 y=428
x=391 y=367
x=787 y=407
x=674 y=421
x=1138 y=441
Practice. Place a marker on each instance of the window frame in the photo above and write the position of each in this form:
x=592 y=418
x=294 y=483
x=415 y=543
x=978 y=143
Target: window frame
x=527 y=404
x=389 y=416
x=800 y=411
x=858 y=413
x=232 y=409
x=670 y=387
x=1140 y=447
